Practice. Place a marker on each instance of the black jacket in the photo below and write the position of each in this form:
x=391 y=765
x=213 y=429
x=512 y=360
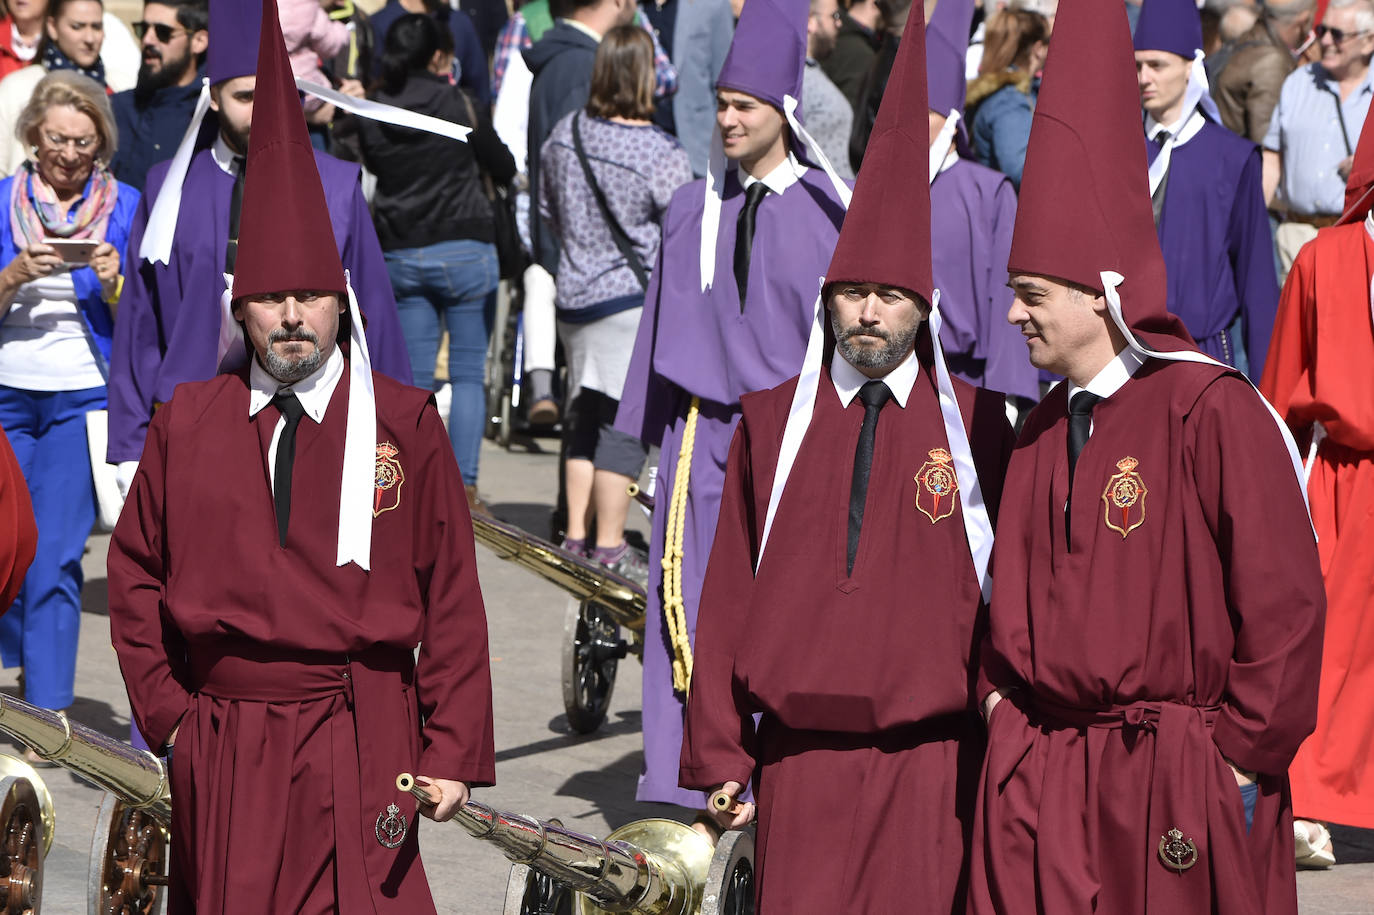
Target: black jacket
x=561 y=61
x=428 y=187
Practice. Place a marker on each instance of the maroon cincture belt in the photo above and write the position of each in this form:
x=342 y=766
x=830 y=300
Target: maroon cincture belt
x=1147 y=714
x=252 y=672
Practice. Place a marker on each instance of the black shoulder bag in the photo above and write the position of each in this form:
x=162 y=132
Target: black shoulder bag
x=622 y=240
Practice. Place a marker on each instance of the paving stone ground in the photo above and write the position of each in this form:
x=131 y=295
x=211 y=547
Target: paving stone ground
x=543 y=769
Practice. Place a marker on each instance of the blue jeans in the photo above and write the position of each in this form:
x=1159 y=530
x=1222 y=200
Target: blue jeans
x=47 y=430
x=451 y=283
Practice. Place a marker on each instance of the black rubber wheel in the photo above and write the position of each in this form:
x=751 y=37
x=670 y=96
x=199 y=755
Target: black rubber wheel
x=592 y=649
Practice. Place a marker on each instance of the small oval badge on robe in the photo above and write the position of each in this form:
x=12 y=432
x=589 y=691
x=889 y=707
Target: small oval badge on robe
x=1176 y=852
x=1125 y=498
x=389 y=478
x=937 y=485
x=391 y=827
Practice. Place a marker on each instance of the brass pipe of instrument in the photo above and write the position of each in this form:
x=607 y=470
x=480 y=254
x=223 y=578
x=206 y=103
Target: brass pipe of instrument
x=615 y=875
x=640 y=496
x=136 y=777
x=579 y=576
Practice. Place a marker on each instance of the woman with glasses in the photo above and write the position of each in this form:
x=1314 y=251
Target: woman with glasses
x=62 y=242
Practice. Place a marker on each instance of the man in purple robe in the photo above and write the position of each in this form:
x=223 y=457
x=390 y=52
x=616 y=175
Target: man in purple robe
x=728 y=310
x=972 y=209
x=169 y=314
x=1207 y=195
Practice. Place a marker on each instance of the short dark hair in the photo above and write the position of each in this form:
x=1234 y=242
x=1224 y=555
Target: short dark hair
x=411 y=43
x=623 y=75
x=192 y=15
x=560 y=9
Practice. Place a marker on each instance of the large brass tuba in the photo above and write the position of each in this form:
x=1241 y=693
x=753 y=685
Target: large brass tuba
x=648 y=867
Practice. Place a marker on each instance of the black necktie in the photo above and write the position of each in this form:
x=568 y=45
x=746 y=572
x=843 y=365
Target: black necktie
x=1157 y=198
x=744 y=238
x=231 y=250
x=874 y=394
x=292 y=411
x=1080 y=427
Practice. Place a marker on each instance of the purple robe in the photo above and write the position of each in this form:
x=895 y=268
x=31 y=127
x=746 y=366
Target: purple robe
x=169 y=315
x=692 y=343
x=1217 y=248
x=972 y=212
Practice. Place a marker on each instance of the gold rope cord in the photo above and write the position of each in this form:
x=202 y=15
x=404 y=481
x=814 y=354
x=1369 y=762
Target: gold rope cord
x=674 y=611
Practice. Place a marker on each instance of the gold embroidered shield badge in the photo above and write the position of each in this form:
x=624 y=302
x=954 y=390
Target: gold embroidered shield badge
x=390 y=476
x=937 y=485
x=1124 y=498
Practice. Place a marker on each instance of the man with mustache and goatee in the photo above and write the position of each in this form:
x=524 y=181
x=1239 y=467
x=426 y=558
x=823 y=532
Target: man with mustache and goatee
x=843 y=600
x=153 y=115
x=297 y=527
x=1155 y=631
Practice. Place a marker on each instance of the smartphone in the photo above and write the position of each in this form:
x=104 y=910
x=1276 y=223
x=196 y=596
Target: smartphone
x=73 y=250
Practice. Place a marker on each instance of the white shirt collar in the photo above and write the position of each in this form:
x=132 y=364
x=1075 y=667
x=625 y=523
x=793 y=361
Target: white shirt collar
x=1182 y=130
x=585 y=29
x=899 y=381
x=314 y=392
x=1113 y=375
x=223 y=155
x=787 y=173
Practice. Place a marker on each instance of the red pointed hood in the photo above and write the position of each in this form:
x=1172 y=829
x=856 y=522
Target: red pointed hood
x=886 y=233
x=1359 y=187
x=1084 y=206
x=286 y=241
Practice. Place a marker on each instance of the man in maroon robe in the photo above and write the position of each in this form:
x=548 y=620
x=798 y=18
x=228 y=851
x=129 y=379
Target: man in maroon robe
x=1156 y=620
x=843 y=596
x=295 y=529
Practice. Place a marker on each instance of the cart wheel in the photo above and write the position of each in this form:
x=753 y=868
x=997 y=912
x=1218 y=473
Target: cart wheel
x=730 y=878
x=531 y=893
x=128 y=861
x=592 y=649
x=21 y=859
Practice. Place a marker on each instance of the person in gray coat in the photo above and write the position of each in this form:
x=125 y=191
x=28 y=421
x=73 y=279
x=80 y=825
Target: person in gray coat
x=697 y=35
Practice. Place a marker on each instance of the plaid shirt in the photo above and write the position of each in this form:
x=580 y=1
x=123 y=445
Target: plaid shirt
x=515 y=37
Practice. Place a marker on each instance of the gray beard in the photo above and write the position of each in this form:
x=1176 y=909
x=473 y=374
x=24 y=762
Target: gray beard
x=894 y=350
x=290 y=371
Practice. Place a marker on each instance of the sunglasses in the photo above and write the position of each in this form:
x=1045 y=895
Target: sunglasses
x=1337 y=35
x=161 y=30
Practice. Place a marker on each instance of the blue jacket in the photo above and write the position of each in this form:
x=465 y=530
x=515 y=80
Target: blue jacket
x=1001 y=122
x=150 y=127
x=96 y=313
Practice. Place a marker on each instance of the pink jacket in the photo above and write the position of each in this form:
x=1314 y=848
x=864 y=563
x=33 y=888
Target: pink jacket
x=310 y=35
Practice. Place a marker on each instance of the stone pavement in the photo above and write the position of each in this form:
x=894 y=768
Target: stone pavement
x=543 y=769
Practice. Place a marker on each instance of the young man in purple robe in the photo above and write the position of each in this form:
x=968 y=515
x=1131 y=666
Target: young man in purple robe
x=843 y=599
x=180 y=251
x=972 y=209
x=1155 y=630
x=296 y=527
x=1206 y=194
x=728 y=311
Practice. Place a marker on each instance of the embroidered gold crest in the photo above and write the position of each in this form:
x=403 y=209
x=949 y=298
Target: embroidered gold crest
x=390 y=476
x=937 y=485
x=1124 y=498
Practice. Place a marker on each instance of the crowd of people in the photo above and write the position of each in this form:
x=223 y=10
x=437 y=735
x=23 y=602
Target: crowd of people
x=1133 y=210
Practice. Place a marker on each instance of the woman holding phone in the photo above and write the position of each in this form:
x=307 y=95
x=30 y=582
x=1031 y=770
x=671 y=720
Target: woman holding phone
x=61 y=242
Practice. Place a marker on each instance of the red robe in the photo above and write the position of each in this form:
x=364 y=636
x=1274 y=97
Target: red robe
x=293 y=680
x=866 y=755
x=1139 y=659
x=1318 y=371
x=18 y=532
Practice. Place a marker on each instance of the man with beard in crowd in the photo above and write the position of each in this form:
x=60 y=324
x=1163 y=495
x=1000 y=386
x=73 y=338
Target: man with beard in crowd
x=153 y=115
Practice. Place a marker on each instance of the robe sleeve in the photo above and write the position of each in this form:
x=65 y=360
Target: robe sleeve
x=136 y=350
x=362 y=256
x=1008 y=365
x=1251 y=250
x=1292 y=347
x=453 y=671
x=1258 y=520
x=18 y=532
x=151 y=650
x=648 y=401
x=718 y=731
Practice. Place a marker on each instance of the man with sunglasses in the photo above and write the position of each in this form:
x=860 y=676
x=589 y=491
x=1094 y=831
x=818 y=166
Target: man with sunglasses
x=1311 y=140
x=153 y=115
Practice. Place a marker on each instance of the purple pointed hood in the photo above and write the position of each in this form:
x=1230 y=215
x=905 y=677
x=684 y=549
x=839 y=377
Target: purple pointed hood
x=768 y=53
x=235 y=26
x=947 y=36
x=1169 y=25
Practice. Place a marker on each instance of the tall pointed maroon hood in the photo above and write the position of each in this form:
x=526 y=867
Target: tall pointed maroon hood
x=1084 y=206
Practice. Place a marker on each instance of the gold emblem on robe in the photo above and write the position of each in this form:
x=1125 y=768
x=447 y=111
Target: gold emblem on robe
x=937 y=486
x=1124 y=498
x=389 y=479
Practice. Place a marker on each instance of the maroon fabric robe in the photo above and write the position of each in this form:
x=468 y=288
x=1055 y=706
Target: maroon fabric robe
x=867 y=751
x=1185 y=625
x=293 y=680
